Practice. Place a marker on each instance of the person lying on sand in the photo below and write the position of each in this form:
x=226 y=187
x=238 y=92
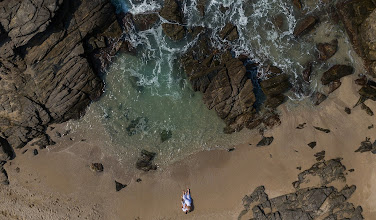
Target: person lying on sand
x=186 y=201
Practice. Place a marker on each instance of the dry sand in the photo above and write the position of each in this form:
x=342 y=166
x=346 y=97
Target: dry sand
x=58 y=183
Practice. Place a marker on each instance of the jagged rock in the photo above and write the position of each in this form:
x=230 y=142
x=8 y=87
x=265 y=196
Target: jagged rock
x=279 y=21
x=97 y=167
x=327 y=50
x=307 y=72
x=35 y=152
x=144 y=22
x=44 y=141
x=275 y=85
x=362 y=80
x=145 y=161
x=297 y=4
x=334 y=85
x=367 y=92
x=367 y=109
x=201 y=7
x=336 y=72
x=320 y=155
x=328 y=171
x=229 y=32
x=348 y=110
x=366 y=146
x=119 y=186
x=174 y=31
x=305 y=25
x=6 y=151
x=301 y=126
x=359 y=19
x=322 y=129
x=171 y=11
x=312 y=144
x=265 y=141
x=3 y=176
x=318 y=98
x=46 y=76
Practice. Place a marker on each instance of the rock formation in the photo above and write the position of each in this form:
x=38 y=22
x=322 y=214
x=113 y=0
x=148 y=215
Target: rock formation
x=46 y=74
x=321 y=202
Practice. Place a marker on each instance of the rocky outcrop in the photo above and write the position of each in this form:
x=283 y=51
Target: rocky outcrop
x=367 y=146
x=321 y=202
x=172 y=12
x=46 y=74
x=359 y=18
x=145 y=162
x=305 y=25
x=336 y=72
x=229 y=32
x=327 y=50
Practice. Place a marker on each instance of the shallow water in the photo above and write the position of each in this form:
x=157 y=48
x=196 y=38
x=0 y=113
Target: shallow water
x=148 y=104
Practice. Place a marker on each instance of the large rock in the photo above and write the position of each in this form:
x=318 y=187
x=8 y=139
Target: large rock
x=275 y=85
x=305 y=25
x=229 y=32
x=171 y=11
x=336 y=72
x=145 y=162
x=359 y=18
x=327 y=50
x=174 y=31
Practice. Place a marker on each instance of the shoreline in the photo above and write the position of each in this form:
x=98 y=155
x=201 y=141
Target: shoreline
x=218 y=179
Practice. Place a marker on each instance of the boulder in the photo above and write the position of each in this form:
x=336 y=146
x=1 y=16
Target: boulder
x=336 y=72
x=143 y=22
x=119 y=186
x=275 y=85
x=318 y=97
x=265 y=141
x=305 y=25
x=97 y=167
x=145 y=162
x=171 y=11
x=175 y=32
x=229 y=32
x=327 y=50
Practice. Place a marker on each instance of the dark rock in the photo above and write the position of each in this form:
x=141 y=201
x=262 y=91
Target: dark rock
x=231 y=149
x=165 y=135
x=144 y=22
x=229 y=32
x=18 y=169
x=359 y=18
x=327 y=50
x=275 y=85
x=297 y=4
x=351 y=170
x=305 y=25
x=322 y=129
x=365 y=146
x=299 y=168
x=145 y=161
x=301 y=126
x=307 y=72
x=347 y=110
x=328 y=171
x=119 y=186
x=370 y=127
x=334 y=85
x=362 y=81
x=274 y=101
x=223 y=9
x=367 y=109
x=367 y=92
x=318 y=98
x=138 y=180
x=201 y=7
x=171 y=11
x=35 y=152
x=6 y=151
x=312 y=144
x=3 y=176
x=174 y=31
x=279 y=21
x=23 y=152
x=44 y=141
x=265 y=141
x=97 y=167
x=336 y=72
x=320 y=155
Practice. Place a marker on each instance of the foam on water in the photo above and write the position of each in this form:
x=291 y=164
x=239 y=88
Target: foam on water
x=147 y=94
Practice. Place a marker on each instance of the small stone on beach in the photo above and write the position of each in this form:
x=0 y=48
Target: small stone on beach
x=231 y=149
x=312 y=144
x=138 y=180
x=35 y=152
x=119 y=186
x=301 y=126
x=265 y=141
x=348 y=110
x=98 y=167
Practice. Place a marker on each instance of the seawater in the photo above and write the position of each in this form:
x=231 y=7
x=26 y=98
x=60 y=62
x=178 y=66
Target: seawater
x=147 y=95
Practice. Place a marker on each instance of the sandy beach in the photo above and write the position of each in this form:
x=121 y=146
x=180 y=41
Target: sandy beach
x=58 y=183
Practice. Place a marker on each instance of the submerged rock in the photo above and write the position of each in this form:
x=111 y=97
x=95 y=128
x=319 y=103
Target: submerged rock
x=145 y=162
x=307 y=72
x=327 y=50
x=336 y=72
x=305 y=25
x=136 y=126
x=165 y=135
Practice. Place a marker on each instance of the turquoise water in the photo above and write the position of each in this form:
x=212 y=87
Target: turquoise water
x=148 y=104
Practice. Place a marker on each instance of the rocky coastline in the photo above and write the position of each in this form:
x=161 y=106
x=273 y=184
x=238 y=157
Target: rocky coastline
x=54 y=54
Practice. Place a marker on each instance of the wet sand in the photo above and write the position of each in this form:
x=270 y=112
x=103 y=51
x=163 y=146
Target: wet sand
x=58 y=183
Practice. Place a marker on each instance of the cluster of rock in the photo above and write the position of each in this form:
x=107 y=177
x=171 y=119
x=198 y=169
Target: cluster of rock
x=321 y=202
x=46 y=71
x=367 y=146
